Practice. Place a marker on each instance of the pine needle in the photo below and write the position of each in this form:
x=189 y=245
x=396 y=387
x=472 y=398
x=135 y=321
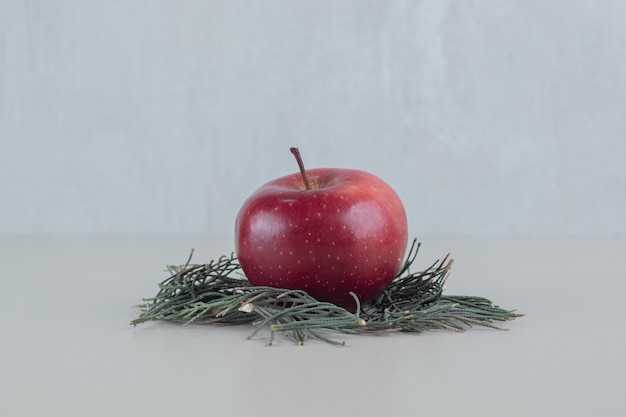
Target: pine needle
x=219 y=293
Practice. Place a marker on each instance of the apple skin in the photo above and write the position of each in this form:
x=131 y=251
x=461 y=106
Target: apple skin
x=348 y=233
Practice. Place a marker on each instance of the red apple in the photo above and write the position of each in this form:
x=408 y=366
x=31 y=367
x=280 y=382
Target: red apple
x=327 y=231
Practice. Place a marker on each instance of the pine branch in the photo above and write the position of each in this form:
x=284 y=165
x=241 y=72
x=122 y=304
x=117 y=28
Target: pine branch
x=219 y=293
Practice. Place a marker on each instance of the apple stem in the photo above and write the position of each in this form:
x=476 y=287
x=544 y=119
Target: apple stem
x=296 y=152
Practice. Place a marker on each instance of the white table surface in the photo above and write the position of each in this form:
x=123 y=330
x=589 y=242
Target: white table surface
x=67 y=348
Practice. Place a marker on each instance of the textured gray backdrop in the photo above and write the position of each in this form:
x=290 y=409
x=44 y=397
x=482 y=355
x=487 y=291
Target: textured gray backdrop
x=160 y=117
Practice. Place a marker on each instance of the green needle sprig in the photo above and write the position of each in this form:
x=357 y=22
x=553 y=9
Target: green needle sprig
x=219 y=293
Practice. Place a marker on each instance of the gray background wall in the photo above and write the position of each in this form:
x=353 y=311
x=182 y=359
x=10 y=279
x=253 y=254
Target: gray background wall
x=152 y=117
